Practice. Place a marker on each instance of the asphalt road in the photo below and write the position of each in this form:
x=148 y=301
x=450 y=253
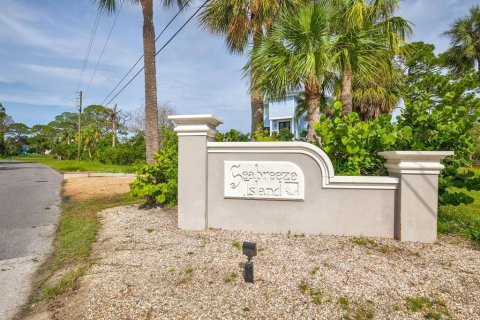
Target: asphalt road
x=29 y=194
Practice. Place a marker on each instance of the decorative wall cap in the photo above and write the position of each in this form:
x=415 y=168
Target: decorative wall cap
x=415 y=162
x=207 y=119
x=416 y=155
x=196 y=125
x=329 y=180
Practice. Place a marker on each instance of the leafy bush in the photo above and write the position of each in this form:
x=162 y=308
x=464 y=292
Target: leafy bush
x=437 y=125
x=264 y=135
x=158 y=182
x=428 y=123
x=353 y=144
x=232 y=136
x=475 y=134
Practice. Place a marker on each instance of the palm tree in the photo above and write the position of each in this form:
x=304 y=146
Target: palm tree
x=368 y=39
x=464 y=51
x=243 y=22
x=296 y=55
x=373 y=96
x=151 y=112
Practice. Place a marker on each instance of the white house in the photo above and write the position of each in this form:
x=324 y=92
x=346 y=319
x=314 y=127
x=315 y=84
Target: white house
x=280 y=114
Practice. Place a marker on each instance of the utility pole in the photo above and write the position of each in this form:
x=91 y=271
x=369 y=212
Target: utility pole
x=114 y=126
x=79 y=106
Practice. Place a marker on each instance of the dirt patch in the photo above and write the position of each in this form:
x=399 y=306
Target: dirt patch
x=83 y=188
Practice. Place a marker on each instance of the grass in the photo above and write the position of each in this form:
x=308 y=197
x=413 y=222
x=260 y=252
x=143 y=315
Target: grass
x=76 y=165
x=49 y=291
x=315 y=294
x=79 y=225
x=230 y=277
x=78 y=228
x=358 y=311
x=363 y=241
x=464 y=219
x=431 y=309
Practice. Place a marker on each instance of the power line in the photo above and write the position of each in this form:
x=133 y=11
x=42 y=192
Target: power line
x=161 y=49
x=140 y=59
x=89 y=48
x=103 y=50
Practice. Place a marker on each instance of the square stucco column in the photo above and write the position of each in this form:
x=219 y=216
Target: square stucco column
x=417 y=197
x=194 y=131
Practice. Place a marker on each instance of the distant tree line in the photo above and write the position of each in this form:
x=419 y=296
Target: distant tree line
x=108 y=135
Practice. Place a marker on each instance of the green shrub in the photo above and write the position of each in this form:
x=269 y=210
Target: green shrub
x=426 y=124
x=353 y=144
x=158 y=182
x=122 y=154
x=232 y=136
x=264 y=135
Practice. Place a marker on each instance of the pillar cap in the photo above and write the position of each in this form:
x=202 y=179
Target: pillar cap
x=196 y=125
x=415 y=162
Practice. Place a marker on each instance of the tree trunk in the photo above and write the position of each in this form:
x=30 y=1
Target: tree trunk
x=346 y=96
x=312 y=95
x=478 y=68
x=256 y=97
x=151 y=111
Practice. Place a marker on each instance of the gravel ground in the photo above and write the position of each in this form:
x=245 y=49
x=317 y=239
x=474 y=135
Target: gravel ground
x=146 y=268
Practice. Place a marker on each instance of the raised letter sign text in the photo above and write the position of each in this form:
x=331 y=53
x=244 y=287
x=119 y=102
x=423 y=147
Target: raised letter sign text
x=274 y=180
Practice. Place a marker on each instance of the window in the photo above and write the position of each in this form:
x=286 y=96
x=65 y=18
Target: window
x=284 y=124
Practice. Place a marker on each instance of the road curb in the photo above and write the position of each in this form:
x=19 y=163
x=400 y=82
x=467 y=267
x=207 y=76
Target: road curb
x=106 y=174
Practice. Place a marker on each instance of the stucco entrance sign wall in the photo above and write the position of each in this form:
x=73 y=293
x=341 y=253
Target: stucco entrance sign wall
x=273 y=180
x=238 y=185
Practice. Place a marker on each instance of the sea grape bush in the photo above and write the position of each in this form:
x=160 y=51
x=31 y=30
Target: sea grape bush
x=158 y=182
x=429 y=123
x=353 y=144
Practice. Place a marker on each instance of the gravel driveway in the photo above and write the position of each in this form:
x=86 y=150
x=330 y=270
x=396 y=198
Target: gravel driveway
x=145 y=268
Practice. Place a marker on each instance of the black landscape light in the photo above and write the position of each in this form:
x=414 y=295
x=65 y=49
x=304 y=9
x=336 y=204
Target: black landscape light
x=250 y=250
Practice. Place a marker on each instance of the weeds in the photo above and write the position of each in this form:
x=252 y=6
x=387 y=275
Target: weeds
x=49 y=291
x=237 y=245
x=232 y=276
x=435 y=309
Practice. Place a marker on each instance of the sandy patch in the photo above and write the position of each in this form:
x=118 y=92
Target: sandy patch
x=81 y=188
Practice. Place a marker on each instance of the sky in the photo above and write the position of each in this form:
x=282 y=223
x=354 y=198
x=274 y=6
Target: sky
x=43 y=46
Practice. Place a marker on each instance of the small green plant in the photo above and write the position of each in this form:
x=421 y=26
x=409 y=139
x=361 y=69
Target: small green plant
x=344 y=303
x=357 y=311
x=315 y=270
x=232 y=276
x=150 y=230
x=363 y=241
x=303 y=287
x=172 y=270
x=237 y=245
x=187 y=278
x=435 y=309
x=316 y=295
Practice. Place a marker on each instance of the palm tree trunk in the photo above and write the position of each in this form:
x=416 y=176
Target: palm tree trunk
x=312 y=95
x=478 y=67
x=346 y=96
x=151 y=111
x=256 y=97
